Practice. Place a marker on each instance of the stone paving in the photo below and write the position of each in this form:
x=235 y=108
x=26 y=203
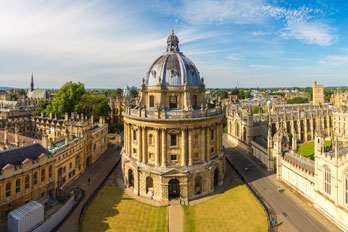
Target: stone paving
x=97 y=173
x=176 y=216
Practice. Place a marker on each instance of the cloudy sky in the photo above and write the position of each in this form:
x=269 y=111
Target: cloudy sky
x=106 y=44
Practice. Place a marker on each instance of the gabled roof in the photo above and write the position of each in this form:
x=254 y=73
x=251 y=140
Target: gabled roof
x=18 y=155
x=38 y=93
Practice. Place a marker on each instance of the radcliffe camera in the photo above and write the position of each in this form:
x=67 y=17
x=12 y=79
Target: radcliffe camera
x=173 y=116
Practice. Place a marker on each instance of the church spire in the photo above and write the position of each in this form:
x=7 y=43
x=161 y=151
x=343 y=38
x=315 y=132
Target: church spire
x=32 y=83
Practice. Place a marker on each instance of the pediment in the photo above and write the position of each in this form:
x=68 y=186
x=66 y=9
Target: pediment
x=174 y=172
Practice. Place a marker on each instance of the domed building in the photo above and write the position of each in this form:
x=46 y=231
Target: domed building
x=172 y=136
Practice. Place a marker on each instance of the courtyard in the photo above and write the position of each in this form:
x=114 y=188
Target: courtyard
x=307 y=149
x=236 y=209
x=113 y=210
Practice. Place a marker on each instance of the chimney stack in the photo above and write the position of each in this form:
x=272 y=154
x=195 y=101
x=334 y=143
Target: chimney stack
x=16 y=136
x=50 y=115
x=45 y=141
x=66 y=117
x=6 y=134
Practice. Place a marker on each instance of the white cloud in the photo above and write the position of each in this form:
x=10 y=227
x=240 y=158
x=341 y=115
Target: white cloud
x=334 y=60
x=259 y=66
x=301 y=23
x=233 y=57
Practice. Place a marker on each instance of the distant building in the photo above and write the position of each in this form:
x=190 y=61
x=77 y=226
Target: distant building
x=36 y=93
x=318 y=94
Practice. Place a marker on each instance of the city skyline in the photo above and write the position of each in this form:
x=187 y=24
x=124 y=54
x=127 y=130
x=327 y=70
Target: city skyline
x=106 y=44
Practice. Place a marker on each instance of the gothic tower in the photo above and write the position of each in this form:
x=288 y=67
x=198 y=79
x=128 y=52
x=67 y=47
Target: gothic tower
x=32 y=83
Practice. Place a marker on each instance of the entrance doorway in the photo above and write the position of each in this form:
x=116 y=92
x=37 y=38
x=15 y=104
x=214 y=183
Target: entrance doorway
x=130 y=178
x=173 y=189
x=216 y=177
x=88 y=161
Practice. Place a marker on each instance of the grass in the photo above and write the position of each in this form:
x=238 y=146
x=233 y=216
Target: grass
x=307 y=149
x=114 y=210
x=234 y=210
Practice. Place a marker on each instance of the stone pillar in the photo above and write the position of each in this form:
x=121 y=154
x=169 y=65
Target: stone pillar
x=140 y=143
x=164 y=147
x=125 y=137
x=130 y=138
x=203 y=141
x=158 y=141
x=190 y=146
x=183 y=140
x=144 y=145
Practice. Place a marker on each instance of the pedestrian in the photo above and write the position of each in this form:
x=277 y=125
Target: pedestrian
x=89 y=181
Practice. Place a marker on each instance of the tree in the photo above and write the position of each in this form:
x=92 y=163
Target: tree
x=41 y=107
x=133 y=92
x=94 y=105
x=67 y=99
x=222 y=93
x=297 y=100
x=117 y=93
x=14 y=97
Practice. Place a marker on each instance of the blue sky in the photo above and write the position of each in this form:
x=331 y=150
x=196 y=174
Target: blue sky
x=106 y=44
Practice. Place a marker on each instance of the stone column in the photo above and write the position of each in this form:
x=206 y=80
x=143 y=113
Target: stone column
x=203 y=141
x=190 y=146
x=158 y=141
x=144 y=145
x=130 y=138
x=183 y=140
x=140 y=143
x=164 y=147
x=125 y=137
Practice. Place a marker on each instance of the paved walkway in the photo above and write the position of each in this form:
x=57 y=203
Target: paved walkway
x=296 y=213
x=176 y=216
x=97 y=173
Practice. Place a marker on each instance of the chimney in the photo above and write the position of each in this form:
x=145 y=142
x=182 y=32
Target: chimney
x=92 y=119
x=6 y=135
x=66 y=117
x=42 y=114
x=101 y=121
x=67 y=139
x=16 y=136
x=82 y=117
x=50 y=115
x=45 y=141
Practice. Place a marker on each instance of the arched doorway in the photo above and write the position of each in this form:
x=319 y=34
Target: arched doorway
x=149 y=185
x=198 y=185
x=130 y=178
x=173 y=188
x=88 y=161
x=216 y=177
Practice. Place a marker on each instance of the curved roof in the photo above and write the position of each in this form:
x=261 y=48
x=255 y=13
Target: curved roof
x=172 y=68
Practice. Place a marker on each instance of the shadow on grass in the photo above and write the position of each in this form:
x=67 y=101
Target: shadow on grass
x=103 y=207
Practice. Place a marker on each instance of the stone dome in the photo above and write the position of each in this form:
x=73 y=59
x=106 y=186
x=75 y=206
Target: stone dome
x=173 y=67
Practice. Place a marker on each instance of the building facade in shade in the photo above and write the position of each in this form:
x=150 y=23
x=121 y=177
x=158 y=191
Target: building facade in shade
x=173 y=137
x=40 y=156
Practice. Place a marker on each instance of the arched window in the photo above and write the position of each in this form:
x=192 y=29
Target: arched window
x=198 y=185
x=50 y=168
x=149 y=185
x=26 y=182
x=35 y=178
x=327 y=180
x=43 y=173
x=18 y=185
x=152 y=101
x=346 y=188
x=8 y=189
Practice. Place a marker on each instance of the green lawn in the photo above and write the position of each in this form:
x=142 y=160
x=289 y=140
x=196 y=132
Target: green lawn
x=307 y=149
x=234 y=210
x=114 y=210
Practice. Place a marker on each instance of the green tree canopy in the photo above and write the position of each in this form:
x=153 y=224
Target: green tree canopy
x=43 y=104
x=67 y=99
x=297 y=100
x=133 y=92
x=94 y=105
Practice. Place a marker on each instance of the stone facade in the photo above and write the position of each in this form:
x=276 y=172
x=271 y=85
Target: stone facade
x=318 y=94
x=63 y=148
x=273 y=138
x=173 y=140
